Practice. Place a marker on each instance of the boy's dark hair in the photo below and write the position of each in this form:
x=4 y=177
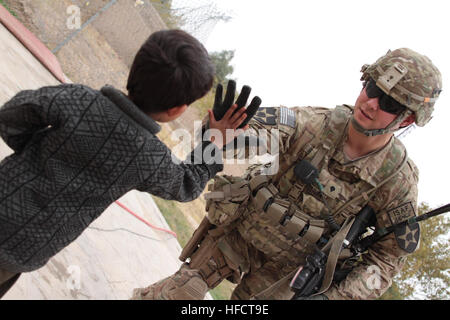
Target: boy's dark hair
x=170 y=69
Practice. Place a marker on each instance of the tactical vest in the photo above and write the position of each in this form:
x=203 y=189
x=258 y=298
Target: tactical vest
x=283 y=219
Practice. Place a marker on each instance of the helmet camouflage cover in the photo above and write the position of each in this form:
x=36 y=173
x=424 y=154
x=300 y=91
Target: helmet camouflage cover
x=408 y=77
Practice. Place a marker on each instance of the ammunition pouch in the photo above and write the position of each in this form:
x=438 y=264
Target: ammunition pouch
x=294 y=223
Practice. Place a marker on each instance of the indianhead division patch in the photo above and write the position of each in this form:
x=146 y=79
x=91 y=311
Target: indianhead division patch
x=266 y=116
x=407 y=236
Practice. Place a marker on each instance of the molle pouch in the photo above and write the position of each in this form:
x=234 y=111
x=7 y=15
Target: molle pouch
x=306 y=223
x=304 y=226
x=227 y=200
x=275 y=211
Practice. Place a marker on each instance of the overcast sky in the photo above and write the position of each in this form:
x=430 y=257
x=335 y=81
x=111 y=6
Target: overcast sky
x=298 y=53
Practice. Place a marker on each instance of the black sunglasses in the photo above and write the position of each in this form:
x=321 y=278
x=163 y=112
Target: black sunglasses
x=386 y=103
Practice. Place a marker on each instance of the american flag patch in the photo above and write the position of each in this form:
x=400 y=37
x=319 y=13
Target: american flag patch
x=287 y=117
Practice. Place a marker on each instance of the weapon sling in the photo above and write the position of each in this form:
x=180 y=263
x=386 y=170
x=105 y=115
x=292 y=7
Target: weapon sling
x=335 y=244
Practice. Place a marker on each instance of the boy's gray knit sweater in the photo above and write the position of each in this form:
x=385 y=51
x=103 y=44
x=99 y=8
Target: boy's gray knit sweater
x=77 y=150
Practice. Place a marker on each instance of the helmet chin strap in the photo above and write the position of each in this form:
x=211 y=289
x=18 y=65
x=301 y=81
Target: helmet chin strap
x=389 y=129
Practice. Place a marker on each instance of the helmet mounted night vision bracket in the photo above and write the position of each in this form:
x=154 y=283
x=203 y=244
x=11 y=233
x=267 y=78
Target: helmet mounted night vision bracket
x=389 y=78
x=386 y=81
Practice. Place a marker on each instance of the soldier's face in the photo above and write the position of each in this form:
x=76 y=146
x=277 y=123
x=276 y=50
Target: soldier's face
x=368 y=113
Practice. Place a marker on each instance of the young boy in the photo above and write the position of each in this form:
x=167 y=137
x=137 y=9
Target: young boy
x=77 y=150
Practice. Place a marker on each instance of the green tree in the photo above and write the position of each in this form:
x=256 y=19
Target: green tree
x=224 y=69
x=222 y=62
x=426 y=274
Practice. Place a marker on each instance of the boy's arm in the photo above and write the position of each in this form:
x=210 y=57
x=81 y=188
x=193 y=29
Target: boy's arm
x=172 y=179
x=185 y=181
x=25 y=114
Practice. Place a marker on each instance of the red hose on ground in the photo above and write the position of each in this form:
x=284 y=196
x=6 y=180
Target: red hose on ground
x=145 y=221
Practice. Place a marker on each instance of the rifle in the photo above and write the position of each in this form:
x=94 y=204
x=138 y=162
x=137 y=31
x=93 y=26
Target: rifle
x=365 y=243
x=308 y=279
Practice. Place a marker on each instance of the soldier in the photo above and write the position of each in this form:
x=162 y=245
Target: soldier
x=260 y=228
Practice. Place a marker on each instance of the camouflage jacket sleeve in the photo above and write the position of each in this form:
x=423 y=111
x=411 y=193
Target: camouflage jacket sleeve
x=394 y=202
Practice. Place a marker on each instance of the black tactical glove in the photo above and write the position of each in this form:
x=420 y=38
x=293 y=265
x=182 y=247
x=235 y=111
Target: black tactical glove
x=221 y=107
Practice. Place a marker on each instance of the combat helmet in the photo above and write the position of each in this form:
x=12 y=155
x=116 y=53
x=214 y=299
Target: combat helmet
x=411 y=79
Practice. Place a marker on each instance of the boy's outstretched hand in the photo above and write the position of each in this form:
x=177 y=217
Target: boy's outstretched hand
x=222 y=106
x=224 y=131
x=226 y=115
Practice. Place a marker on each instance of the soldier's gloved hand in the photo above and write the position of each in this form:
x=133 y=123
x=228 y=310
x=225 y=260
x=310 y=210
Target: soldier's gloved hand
x=221 y=107
x=317 y=297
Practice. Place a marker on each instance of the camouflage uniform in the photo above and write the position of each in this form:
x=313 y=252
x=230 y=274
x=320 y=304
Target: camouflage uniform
x=265 y=248
x=264 y=226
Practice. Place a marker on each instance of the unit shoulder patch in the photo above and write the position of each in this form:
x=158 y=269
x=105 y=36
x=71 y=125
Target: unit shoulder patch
x=266 y=116
x=407 y=236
